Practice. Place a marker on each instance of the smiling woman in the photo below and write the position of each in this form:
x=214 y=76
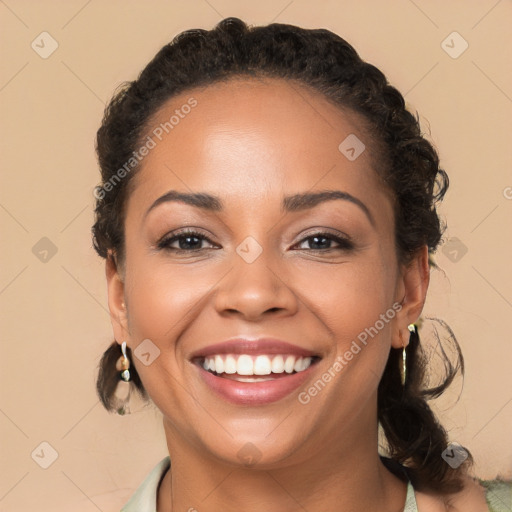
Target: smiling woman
x=274 y=245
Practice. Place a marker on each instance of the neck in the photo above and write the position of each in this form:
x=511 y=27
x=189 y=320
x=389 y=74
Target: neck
x=350 y=478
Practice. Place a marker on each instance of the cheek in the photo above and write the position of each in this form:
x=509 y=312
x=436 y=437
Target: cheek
x=164 y=300
x=355 y=302
x=162 y=297
x=349 y=295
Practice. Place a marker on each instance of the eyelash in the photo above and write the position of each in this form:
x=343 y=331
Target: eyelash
x=165 y=244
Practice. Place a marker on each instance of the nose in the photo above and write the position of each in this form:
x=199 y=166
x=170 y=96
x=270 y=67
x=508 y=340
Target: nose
x=254 y=290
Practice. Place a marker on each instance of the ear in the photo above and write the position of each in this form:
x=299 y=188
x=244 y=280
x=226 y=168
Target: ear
x=116 y=300
x=411 y=294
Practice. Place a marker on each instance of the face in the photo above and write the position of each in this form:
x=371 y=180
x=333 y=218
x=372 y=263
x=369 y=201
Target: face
x=266 y=256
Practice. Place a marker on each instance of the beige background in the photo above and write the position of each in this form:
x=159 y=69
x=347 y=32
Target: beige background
x=55 y=325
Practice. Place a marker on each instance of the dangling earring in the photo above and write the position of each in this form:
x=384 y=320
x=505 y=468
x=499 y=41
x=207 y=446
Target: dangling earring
x=123 y=388
x=403 y=366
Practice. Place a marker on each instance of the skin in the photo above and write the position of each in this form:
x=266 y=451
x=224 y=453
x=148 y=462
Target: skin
x=250 y=143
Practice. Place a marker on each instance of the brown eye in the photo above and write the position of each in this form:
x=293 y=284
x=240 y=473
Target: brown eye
x=187 y=241
x=324 y=241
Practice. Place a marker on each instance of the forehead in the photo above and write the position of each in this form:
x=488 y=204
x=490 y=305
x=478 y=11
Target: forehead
x=247 y=135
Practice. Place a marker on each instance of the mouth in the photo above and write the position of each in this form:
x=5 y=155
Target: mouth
x=251 y=368
x=248 y=379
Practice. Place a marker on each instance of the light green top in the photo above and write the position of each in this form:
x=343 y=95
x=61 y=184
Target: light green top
x=498 y=494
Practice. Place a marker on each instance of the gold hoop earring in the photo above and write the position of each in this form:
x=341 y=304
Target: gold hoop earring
x=403 y=365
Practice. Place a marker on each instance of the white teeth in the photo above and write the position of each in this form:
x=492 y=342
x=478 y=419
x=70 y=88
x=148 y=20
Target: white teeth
x=245 y=364
x=245 y=379
x=289 y=364
x=230 y=364
x=278 y=364
x=262 y=366
x=298 y=365
x=219 y=364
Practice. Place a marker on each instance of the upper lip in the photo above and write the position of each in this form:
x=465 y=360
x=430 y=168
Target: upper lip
x=255 y=347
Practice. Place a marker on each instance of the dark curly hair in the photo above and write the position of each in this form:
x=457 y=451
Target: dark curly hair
x=407 y=162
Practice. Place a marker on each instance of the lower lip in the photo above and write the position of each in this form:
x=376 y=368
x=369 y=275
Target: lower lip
x=254 y=393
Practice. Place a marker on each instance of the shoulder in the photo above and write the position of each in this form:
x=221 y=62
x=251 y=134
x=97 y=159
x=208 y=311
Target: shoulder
x=145 y=497
x=498 y=494
x=476 y=496
x=472 y=498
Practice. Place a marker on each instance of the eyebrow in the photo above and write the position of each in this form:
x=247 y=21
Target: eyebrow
x=293 y=203
x=307 y=200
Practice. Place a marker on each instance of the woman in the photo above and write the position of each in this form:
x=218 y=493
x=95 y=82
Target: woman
x=267 y=212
